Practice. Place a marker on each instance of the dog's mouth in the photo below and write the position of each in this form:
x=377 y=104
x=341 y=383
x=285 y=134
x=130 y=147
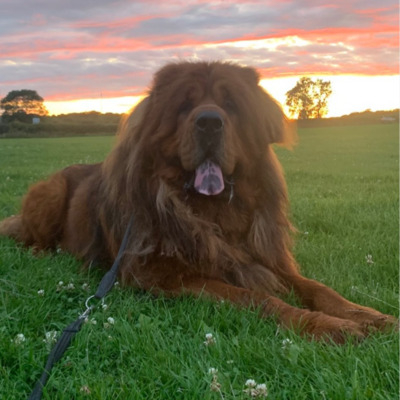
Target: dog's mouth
x=204 y=153
x=209 y=132
x=209 y=179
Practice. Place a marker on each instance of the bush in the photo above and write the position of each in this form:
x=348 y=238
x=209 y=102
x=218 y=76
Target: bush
x=83 y=124
x=4 y=129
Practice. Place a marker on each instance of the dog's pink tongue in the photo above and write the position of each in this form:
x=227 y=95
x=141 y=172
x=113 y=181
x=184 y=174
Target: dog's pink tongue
x=209 y=179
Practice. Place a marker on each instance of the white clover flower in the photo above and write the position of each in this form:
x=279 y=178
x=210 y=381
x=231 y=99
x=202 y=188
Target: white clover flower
x=215 y=386
x=110 y=321
x=40 y=292
x=210 y=339
x=286 y=343
x=50 y=337
x=250 y=383
x=262 y=390
x=254 y=389
x=85 y=389
x=85 y=286
x=368 y=259
x=70 y=286
x=19 y=339
x=104 y=307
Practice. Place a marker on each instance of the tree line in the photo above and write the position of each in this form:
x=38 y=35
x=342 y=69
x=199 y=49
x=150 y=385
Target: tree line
x=308 y=99
x=307 y=102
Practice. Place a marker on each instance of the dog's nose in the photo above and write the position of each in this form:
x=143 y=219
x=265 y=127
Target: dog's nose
x=209 y=128
x=209 y=122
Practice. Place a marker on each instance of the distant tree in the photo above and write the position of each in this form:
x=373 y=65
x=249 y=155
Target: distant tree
x=309 y=99
x=22 y=105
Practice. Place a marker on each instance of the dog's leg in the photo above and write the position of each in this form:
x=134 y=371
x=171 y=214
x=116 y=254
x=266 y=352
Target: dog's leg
x=41 y=220
x=316 y=325
x=319 y=297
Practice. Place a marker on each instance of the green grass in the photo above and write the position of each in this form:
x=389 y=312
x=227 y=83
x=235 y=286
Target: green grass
x=343 y=185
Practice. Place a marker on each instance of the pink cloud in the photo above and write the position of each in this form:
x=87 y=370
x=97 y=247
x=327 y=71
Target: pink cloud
x=79 y=51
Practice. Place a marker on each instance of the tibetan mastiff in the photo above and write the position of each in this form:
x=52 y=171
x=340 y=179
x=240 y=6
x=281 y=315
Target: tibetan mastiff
x=195 y=170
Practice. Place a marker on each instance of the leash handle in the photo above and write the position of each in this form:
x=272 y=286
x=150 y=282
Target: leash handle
x=72 y=329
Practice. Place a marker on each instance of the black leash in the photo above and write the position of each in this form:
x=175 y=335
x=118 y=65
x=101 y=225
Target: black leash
x=71 y=330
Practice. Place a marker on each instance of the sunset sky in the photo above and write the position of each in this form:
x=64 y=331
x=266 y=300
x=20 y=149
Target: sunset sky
x=83 y=55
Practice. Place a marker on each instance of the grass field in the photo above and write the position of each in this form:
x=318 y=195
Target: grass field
x=343 y=185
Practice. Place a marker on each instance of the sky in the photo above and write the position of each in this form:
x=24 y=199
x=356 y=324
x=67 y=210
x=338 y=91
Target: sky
x=83 y=55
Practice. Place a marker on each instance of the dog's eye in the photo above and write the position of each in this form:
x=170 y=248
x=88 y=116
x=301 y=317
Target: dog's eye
x=230 y=105
x=186 y=107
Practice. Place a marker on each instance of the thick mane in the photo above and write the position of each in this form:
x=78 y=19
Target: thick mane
x=140 y=180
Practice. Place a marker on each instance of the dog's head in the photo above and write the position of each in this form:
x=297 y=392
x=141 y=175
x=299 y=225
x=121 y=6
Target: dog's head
x=210 y=120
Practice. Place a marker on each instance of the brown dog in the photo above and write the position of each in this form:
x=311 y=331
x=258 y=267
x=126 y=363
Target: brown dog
x=195 y=169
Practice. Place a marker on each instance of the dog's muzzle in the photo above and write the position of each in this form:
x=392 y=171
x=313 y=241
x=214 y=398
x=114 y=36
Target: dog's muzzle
x=209 y=128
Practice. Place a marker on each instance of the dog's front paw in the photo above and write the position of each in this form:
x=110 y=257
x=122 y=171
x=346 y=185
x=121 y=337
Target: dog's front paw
x=369 y=318
x=321 y=327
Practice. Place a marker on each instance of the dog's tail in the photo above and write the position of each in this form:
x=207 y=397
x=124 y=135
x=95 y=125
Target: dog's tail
x=12 y=227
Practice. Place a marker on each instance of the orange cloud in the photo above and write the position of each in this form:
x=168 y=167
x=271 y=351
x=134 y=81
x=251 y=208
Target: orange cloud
x=114 y=48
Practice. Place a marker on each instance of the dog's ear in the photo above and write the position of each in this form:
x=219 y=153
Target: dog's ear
x=167 y=76
x=133 y=119
x=275 y=126
x=278 y=128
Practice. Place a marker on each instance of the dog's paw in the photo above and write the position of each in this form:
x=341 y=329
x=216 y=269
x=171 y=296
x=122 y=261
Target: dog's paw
x=370 y=319
x=325 y=328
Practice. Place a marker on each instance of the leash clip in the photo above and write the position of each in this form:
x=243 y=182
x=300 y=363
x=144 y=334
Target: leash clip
x=89 y=308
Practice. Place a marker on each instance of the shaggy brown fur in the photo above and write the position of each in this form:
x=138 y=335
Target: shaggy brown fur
x=232 y=245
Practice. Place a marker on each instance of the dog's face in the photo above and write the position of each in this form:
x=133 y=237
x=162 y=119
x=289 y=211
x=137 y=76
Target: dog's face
x=211 y=119
x=209 y=143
